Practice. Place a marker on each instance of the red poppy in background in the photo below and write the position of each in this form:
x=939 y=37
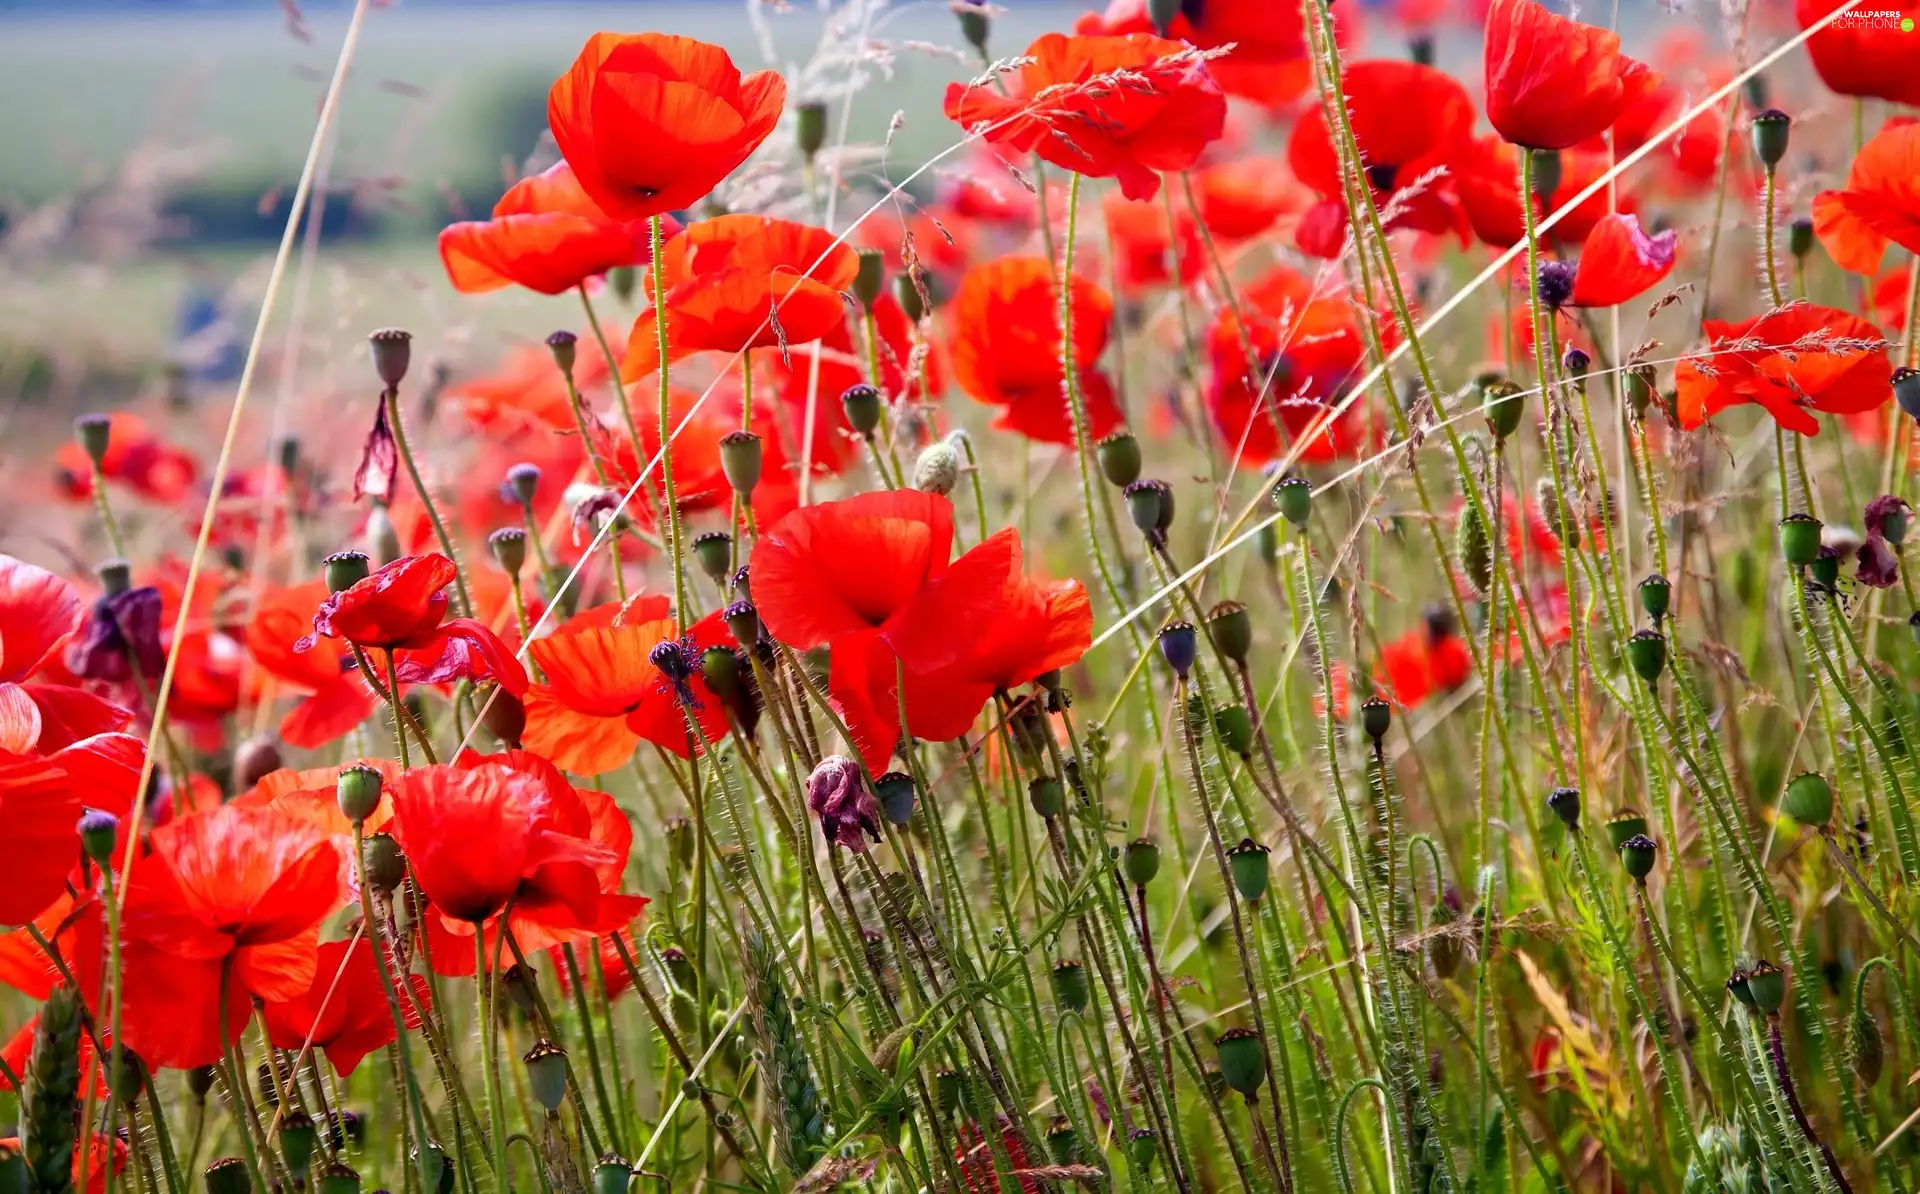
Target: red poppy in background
x=1553 y=82
x=344 y=1014
x=1268 y=62
x=1428 y=660
x=230 y=900
x=399 y=607
x=651 y=122
x=153 y=467
x=1863 y=58
x=336 y=699
x=1795 y=361
x=1410 y=121
x=1306 y=344
x=1125 y=108
x=1143 y=241
x=38 y=611
x=545 y=235
x=1618 y=262
x=19 y=1050
x=1241 y=199
x=1880 y=205
x=1692 y=155
x=740 y=282
x=1006 y=346
x=1486 y=174
x=697 y=422
x=527 y=392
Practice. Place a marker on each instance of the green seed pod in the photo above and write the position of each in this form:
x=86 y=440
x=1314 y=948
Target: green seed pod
x=95 y=435
x=1800 y=236
x=546 y=1066
x=1770 y=136
x=1047 y=796
x=1656 y=596
x=1230 y=627
x=563 y=345
x=228 y=1175
x=1069 y=981
x=1647 y=652
x=1825 y=569
x=438 y=1166
x=740 y=460
x=908 y=293
x=871 y=279
x=1475 y=551
x=1063 y=1143
x=385 y=867
x=862 y=405
x=1503 y=403
x=1234 y=725
x=344 y=569
x=744 y=621
x=1565 y=803
x=809 y=127
x=1267 y=544
x=720 y=667
x=1767 y=987
x=1243 y=1062
x=714 y=550
x=338 y=1178
x=98 y=832
x=1141 y=861
x=1624 y=824
x=1808 y=799
x=1637 y=854
x=896 y=796
x=1376 y=718
x=1865 y=1047
x=50 y=1094
x=1150 y=506
x=392 y=350
x=200 y=1081
x=1293 y=497
x=297 y=1138
x=1800 y=539
x=509 y=548
x=1119 y=457
x=1248 y=862
x=1143 y=1145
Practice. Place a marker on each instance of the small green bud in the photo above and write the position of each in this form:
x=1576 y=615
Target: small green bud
x=1243 y=1062
x=896 y=794
x=1800 y=539
x=99 y=830
x=976 y=22
x=720 y=668
x=862 y=404
x=1119 y=457
x=740 y=457
x=1047 y=796
x=1770 y=136
x=1475 y=550
x=1546 y=173
x=95 y=435
x=1503 y=403
x=1141 y=861
x=1293 y=497
x=1150 y=506
x=809 y=127
x=1656 y=596
x=1376 y=718
x=1647 y=652
x=1234 y=724
x=871 y=278
x=1248 y=863
x=1565 y=803
x=1767 y=985
x=1800 y=236
x=358 y=791
x=908 y=293
x=1230 y=627
x=1143 y=1145
x=1865 y=1047
x=1808 y=799
x=337 y=1177
x=1069 y=981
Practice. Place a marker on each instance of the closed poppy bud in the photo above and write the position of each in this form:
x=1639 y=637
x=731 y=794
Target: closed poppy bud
x=861 y=403
x=895 y=792
x=1150 y=505
x=381 y=538
x=546 y=1066
x=1063 y=1143
x=1865 y=1047
x=1637 y=854
x=1420 y=49
x=1141 y=861
x=1766 y=987
x=392 y=353
x=1625 y=824
x=509 y=548
x=1293 y=497
x=1234 y=725
x=1546 y=172
x=740 y=460
x=1069 y=980
x=744 y=621
x=384 y=866
x=1178 y=645
x=1565 y=803
x=200 y=1081
x=612 y=1175
x=1800 y=539
x=297 y=1136
x=870 y=279
x=714 y=550
x=1376 y=717
x=1770 y=134
x=1906 y=390
x=1475 y=550
x=505 y=717
x=337 y=1177
x=1243 y=1062
x=908 y=292
x=1576 y=361
x=95 y=433
x=344 y=569
x=1800 y=236
x=228 y=1175
x=976 y=22
x=1647 y=652
x=358 y=790
x=1825 y=569
x=809 y=127
x=98 y=832
x=562 y=345
x=720 y=668
x=1738 y=988
x=1230 y=627
x=1808 y=799
x=116 y=577
x=1503 y=403
x=1047 y=796
x=1143 y=1145
x=1656 y=595
x=1248 y=862
x=1119 y=456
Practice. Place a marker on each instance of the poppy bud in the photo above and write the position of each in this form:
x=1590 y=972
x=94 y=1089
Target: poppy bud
x=1475 y=550
x=740 y=461
x=1640 y=389
x=1143 y=1145
x=392 y=353
x=337 y=1177
x=1546 y=174
x=228 y=1175
x=95 y=433
x=1808 y=799
x=1178 y=645
x=1243 y=1062
x=744 y=621
x=1420 y=49
x=561 y=345
x=1656 y=596
x=384 y=867
x=345 y=569
x=200 y=1081
x=1234 y=724
x=1141 y=861
x=1800 y=236
x=1069 y=985
x=546 y=1066
x=1647 y=652
x=714 y=550
x=1230 y=627
x=509 y=548
x=975 y=23
x=381 y=539
x=612 y=1175
x=1047 y=796
x=1825 y=569
x=523 y=480
x=1766 y=986
x=1565 y=803
x=1865 y=1047
x=1770 y=129
x=1502 y=403
x=297 y=1137
x=1555 y=284
x=1637 y=854
x=1150 y=505
x=1800 y=539
x=720 y=667
x=1624 y=824
x=809 y=127
x=1248 y=862
x=1445 y=951
x=908 y=293
x=505 y=717
x=1576 y=361
x=437 y=1164
x=358 y=790
x=1063 y=1142
x=870 y=279
x=98 y=831
x=861 y=402
x=938 y=468
x=895 y=792
x=1119 y=456
x=116 y=577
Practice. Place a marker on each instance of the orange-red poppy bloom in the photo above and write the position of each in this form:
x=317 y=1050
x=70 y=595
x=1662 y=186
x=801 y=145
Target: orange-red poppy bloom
x=838 y=568
x=1430 y=659
x=545 y=235
x=38 y=611
x=1268 y=61
x=1148 y=249
x=152 y=466
x=400 y=607
x=1797 y=361
x=336 y=699
x=1880 y=205
x=40 y=809
x=75 y=927
x=1125 y=108
x=651 y=122
x=1486 y=174
x=344 y=1013
x=1618 y=262
x=1553 y=82
x=1006 y=347
x=740 y=282
x=1862 y=57
x=230 y=900
x=1306 y=344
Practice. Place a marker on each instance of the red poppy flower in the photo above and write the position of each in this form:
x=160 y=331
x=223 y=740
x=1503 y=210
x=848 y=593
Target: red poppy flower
x=697 y=422
x=612 y=969
x=1863 y=58
x=1486 y=173
x=651 y=122
x=1553 y=82
x=1410 y=121
x=740 y=282
x=344 y=1014
x=1006 y=346
x=1267 y=62
x=1618 y=262
x=38 y=611
x=1691 y=157
x=1880 y=203
x=1430 y=659
x=399 y=607
x=478 y=836
x=336 y=698
x=40 y=809
x=1795 y=361
x=76 y=929
x=1106 y=107
x=838 y=568
x=545 y=235
x=1239 y=200
x=154 y=468
x=605 y=692
x=1144 y=246
x=1307 y=345
x=233 y=891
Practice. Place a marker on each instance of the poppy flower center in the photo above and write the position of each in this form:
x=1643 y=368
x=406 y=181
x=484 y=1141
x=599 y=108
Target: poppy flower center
x=1556 y=283
x=1382 y=176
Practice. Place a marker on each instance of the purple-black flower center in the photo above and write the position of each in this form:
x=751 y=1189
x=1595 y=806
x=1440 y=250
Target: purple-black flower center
x=1556 y=283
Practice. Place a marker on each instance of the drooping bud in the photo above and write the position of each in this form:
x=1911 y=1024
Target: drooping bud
x=1865 y=1047
x=1800 y=539
x=1141 y=861
x=1565 y=803
x=1647 y=652
x=714 y=550
x=1243 y=1062
x=1808 y=799
x=386 y=867
x=976 y=22
x=1637 y=854
x=345 y=569
x=95 y=434
x=1770 y=136
x=1230 y=627
x=509 y=548
x=1119 y=456
x=1069 y=981
x=1179 y=645
x=938 y=468
x=871 y=278
x=358 y=791
x=913 y=291
x=1248 y=862
x=392 y=353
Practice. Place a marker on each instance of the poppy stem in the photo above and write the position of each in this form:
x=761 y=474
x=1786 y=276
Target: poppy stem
x=1768 y=198
x=683 y=611
x=427 y=1161
x=392 y=398
x=488 y=1031
x=108 y=522
x=235 y=1081
x=543 y=1017
x=1777 y=1050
